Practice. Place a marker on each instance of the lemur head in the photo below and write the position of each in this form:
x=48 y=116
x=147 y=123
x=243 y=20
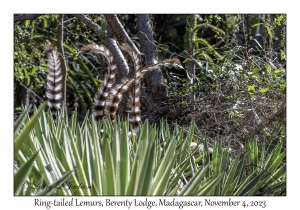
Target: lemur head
x=172 y=63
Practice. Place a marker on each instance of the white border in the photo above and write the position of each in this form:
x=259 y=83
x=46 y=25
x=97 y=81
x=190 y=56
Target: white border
x=8 y=8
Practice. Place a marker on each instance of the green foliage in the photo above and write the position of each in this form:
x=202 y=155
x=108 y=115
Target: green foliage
x=203 y=50
x=30 y=62
x=23 y=135
x=61 y=155
x=229 y=61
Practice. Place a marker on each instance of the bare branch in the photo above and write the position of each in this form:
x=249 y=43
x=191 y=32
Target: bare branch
x=29 y=90
x=95 y=27
x=279 y=115
x=119 y=31
x=146 y=39
x=111 y=44
x=26 y=17
x=155 y=79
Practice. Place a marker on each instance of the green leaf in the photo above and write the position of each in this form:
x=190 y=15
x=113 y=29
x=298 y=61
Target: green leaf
x=22 y=174
x=276 y=176
x=275 y=154
x=23 y=136
x=162 y=184
x=278 y=161
x=116 y=147
x=149 y=170
x=258 y=185
x=282 y=55
x=231 y=175
x=27 y=22
x=156 y=186
x=109 y=169
x=244 y=183
x=88 y=156
x=257 y=24
x=278 y=71
x=21 y=120
x=207 y=190
x=33 y=71
x=194 y=182
x=124 y=158
x=132 y=181
x=264 y=90
x=55 y=185
x=45 y=22
x=251 y=88
x=269 y=32
x=268 y=67
x=254 y=152
x=79 y=168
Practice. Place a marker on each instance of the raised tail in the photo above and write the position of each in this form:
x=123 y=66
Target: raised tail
x=101 y=97
x=54 y=80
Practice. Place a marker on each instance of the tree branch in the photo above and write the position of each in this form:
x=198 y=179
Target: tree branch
x=153 y=80
x=111 y=44
x=119 y=31
x=279 y=115
x=189 y=43
x=60 y=50
x=26 y=17
x=95 y=27
x=123 y=68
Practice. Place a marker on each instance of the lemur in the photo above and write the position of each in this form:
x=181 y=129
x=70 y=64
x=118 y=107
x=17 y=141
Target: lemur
x=110 y=94
x=108 y=98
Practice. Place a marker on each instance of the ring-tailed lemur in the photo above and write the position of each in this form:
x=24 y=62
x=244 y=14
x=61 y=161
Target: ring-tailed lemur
x=109 y=96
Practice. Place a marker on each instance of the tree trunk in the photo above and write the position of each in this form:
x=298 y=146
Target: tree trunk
x=111 y=44
x=26 y=93
x=257 y=42
x=123 y=68
x=156 y=89
x=190 y=48
x=119 y=31
x=123 y=40
x=190 y=45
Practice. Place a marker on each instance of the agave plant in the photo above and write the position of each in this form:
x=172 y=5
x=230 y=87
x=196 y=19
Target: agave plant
x=65 y=157
x=249 y=174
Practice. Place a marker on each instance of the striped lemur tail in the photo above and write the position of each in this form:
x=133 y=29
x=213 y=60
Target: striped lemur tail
x=108 y=98
x=133 y=101
x=117 y=92
x=99 y=109
x=54 y=80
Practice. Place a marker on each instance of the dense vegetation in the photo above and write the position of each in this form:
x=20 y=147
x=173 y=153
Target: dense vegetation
x=233 y=89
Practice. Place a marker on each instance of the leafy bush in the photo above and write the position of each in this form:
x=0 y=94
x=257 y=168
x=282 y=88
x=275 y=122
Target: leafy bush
x=244 y=93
